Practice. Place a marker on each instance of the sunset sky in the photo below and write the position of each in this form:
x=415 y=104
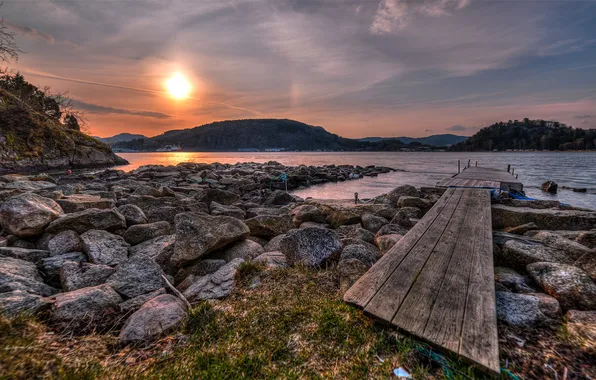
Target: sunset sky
x=356 y=68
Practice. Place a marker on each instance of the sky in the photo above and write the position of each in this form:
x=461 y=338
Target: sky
x=357 y=68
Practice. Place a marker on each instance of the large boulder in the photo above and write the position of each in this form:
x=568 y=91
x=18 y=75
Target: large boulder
x=28 y=214
x=139 y=275
x=223 y=210
x=273 y=244
x=386 y=242
x=571 y=248
x=571 y=286
x=548 y=219
x=52 y=265
x=198 y=235
x=77 y=275
x=217 y=195
x=354 y=231
x=155 y=317
x=278 y=198
x=199 y=269
x=274 y=259
x=18 y=274
x=269 y=225
x=142 y=232
x=306 y=213
x=522 y=310
x=214 y=286
x=587 y=238
x=134 y=304
x=405 y=190
x=407 y=201
x=512 y=280
x=19 y=302
x=64 y=242
x=310 y=246
x=90 y=219
x=405 y=216
x=245 y=249
x=518 y=255
x=392 y=229
x=80 y=202
x=133 y=214
x=350 y=270
x=103 y=247
x=86 y=303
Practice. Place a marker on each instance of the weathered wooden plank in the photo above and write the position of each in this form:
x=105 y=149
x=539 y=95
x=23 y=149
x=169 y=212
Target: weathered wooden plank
x=387 y=300
x=365 y=288
x=416 y=308
x=479 y=333
x=444 y=326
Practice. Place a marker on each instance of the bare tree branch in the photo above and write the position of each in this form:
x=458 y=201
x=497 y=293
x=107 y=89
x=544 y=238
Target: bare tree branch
x=8 y=47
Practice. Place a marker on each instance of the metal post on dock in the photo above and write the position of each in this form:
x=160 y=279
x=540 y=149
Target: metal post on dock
x=476 y=163
x=469 y=162
x=508 y=168
x=458 y=167
x=513 y=171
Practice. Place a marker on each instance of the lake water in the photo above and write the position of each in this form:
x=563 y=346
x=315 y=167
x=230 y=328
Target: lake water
x=419 y=169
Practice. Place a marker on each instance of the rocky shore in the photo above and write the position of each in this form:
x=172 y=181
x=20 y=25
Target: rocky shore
x=138 y=249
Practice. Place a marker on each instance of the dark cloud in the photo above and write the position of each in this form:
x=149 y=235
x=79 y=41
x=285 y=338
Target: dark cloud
x=30 y=32
x=456 y=128
x=97 y=109
x=583 y=116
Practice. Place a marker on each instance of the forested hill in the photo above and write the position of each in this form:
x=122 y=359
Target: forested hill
x=529 y=134
x=261 y=134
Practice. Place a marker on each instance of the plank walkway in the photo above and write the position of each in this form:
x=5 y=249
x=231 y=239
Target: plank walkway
x=483 y=177
x=437 y=282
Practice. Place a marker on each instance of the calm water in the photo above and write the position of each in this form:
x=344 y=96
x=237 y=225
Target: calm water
x=419 y=169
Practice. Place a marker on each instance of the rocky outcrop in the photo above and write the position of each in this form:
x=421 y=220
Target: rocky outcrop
x=547 y=219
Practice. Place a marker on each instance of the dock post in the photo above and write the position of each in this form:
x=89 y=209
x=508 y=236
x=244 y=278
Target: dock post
x=513 y=171
x=508 y=168
x=469 y=162
x=458 y=167
x=476 y=163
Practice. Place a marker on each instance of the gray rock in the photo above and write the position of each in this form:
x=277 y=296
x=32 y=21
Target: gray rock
x=587 y=238
x=350 y=270
x=103 y=247
x=80 y=202
x=258 y=211
x=163 y=213
x=199 y=269
x=135 y=303
x=142 y=232
x=314 y=225
x=153 y=248
x=520 y=230
x=259 y=240
x=28 y=214
x=548 y=219
x=246 y=250
x=147 y=190
x=217 y=195
x=386 y=242
x=518 y=255
x=18 y=274
x=353 y=231
x=139 y=275
x=520 y=310
x=391 y=229
x=571 y=248
x=52 y=265
x=571 y=286
x=310 y=246
x=86 y=303
x=407 y=190
x=133 y=214
x=198 y=235
x=306 y=213
x=408 y=201
x=373 y=223
x=274 y=259
x=31 y=255
x=154 y=318
x=405 y=216
x=269 y=225
x=77 y=275
x=273 y=244
x=279 y=198
x=512 y=280
x=214 y=286
x=90 y=219
x=223 y=210
x=366 y=253
x=19 y=302
x=64 y=242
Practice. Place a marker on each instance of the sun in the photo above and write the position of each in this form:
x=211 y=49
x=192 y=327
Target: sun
x=178 y=86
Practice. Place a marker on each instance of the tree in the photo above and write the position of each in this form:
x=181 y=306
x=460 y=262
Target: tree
x=8 y=48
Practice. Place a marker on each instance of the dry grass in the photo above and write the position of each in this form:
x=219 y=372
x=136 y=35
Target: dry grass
x=282 y=323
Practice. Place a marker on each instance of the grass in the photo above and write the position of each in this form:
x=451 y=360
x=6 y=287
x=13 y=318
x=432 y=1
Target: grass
x=279 y=323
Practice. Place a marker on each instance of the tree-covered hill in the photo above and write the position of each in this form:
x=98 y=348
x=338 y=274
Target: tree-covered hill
x=529 y=135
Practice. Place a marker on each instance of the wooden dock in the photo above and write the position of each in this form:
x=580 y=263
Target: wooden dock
x=437 y=282
x=484 y=178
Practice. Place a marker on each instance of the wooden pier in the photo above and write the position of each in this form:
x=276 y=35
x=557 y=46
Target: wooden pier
x=437 y=282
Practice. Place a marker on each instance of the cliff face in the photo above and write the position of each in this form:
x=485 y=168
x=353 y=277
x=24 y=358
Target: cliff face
x=32 y=141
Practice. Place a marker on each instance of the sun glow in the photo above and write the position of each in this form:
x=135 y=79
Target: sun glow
x=178 y=86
